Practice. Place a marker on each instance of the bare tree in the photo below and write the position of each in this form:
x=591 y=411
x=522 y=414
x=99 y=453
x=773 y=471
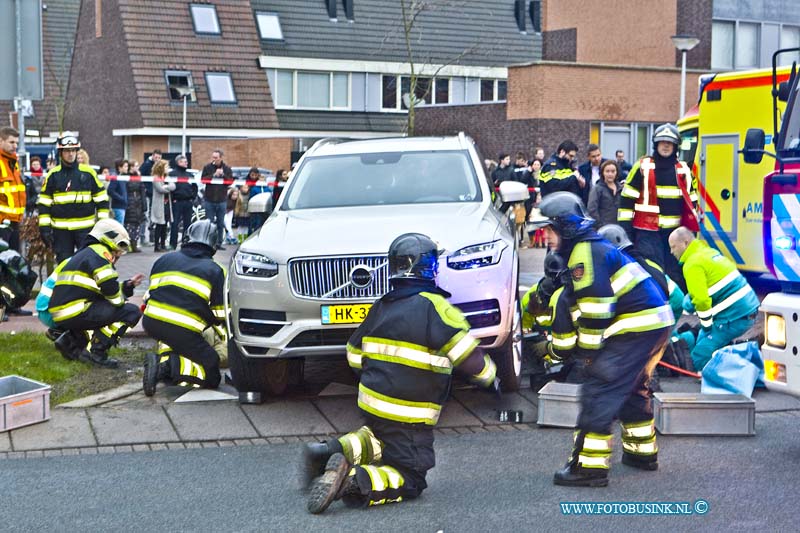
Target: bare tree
x=56 y=70
x=424 y=66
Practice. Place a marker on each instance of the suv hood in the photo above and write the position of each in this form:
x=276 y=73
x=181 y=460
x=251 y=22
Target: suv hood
x=371 y=229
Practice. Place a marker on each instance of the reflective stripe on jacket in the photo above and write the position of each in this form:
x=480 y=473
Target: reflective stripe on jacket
x=644 y=201
x=186 y=290
x=718 y=291
x=405 y=352
x=86 y=277
x=12 y=189
x=72 y=198
x=612 y=295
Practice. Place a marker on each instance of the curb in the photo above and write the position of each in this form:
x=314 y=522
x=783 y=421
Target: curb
x=94 y=400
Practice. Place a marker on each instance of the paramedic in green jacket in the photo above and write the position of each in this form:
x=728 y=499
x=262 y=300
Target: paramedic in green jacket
x=725 y=303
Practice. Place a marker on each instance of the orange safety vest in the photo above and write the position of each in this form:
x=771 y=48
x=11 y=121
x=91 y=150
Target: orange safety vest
x=12 y=189
x=646 y=212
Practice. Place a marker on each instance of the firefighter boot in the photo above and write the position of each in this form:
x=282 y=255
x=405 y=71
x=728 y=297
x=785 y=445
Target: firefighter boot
x=71 y=344
x=640 y=449
x=588 y=466
x=337 y=481
x=100 y=346
x=315 y=456
x=150 y=378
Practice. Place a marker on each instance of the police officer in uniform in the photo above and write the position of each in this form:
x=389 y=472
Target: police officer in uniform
x=71 y=201
x=185 y=297
x=404 y=352
x=657 y=197
x=89 y=296
x=621 y=326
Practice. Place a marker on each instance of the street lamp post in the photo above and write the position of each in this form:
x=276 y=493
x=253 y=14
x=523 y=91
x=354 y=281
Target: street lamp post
x=186 y=93
x=684 y=43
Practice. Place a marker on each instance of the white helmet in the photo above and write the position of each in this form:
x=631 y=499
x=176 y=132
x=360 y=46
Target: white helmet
x=111 y=233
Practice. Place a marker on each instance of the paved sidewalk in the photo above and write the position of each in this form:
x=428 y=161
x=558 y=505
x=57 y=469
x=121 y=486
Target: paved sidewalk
x=138 y=423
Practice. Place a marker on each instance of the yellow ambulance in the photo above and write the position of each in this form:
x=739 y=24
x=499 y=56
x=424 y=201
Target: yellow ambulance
x=731 y=193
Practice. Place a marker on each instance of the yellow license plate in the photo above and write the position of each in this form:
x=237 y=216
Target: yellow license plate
x=344 y=314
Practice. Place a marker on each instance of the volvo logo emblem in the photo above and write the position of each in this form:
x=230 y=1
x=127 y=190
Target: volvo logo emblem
x=361 y=276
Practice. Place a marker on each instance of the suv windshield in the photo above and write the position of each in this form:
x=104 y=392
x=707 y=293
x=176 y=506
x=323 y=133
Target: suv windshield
x=383 y=179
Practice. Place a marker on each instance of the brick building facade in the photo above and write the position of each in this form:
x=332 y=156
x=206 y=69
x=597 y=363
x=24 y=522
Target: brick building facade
x=604 y=83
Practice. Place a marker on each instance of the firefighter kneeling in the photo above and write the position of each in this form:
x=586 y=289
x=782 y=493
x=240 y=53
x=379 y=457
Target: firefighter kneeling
x=88 y=296
x=405 y=352
x=185 y=297
x=620 y=333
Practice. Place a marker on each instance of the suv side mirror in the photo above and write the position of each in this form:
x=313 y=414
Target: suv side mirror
x=513 y=191
x=260 y=203
x=753 y=151
x=783 y=91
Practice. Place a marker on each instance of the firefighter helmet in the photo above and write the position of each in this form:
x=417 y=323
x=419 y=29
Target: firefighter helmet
x=616 y=235
x=564 y=211
x=111 y=233
x=554 y=265
x=68 y=140
x=413 y=256
x=203 y=232
x=667 y=132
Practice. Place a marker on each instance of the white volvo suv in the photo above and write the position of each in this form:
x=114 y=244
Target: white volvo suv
x=300 y=286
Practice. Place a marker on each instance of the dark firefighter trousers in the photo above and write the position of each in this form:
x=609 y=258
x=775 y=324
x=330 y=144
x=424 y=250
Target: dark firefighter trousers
x=617 y=378
x=108 y=322
x=66 y=241
x=185 y=347
x=655 y=246
x=390 y=461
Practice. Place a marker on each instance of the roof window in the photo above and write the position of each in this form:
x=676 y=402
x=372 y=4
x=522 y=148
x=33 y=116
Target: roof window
x=204 y=19
x=269 y=26
x=220 y=88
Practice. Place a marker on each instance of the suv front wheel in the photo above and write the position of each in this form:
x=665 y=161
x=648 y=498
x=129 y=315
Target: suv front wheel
x=250 y=374
x=508 y=357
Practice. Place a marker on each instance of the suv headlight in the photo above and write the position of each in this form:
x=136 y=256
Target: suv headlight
x=477 y=256
x=256 y=265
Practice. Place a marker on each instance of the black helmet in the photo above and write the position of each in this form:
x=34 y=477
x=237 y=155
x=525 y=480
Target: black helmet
x=413 y=256
x=202 y=232
x=667 y=132
x=565 y=212
x=617 y=236
x=554 y=265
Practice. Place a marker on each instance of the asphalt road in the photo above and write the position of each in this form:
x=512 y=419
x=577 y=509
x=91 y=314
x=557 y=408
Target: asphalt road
x=482 y=482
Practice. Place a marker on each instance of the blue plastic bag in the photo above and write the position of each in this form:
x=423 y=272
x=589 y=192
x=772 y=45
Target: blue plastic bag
x=734 y=369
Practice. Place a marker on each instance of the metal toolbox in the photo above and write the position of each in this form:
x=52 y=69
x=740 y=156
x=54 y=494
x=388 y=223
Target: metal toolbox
x=559 y=404
x=681 y=413
x=23 y=402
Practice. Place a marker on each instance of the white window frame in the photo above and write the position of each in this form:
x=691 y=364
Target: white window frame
x=233 y=88
x=399 y=96
x=330 y=106
x=277 y=18
x=209 y=7
x=176 y=73
x=495 y=95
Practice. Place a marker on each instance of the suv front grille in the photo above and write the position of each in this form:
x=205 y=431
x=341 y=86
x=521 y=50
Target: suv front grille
x=319 y=276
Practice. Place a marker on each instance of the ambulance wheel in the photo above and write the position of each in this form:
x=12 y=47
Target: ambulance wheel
x=254 y=374
x=508 y=357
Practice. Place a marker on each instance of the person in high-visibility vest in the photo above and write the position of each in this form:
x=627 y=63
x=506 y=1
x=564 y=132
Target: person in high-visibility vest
x=72 y=200
x=405 y=352
x=621 y=327
x=12 y=188
x=724 y=302
x=659 y=195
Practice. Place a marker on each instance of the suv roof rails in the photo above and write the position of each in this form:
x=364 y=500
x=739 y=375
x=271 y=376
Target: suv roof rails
x=326 y=141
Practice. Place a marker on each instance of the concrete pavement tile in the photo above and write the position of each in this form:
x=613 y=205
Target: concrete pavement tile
x=123 y=448
x=175 y=445
x=530 y=395
x=683 y=384
x=5 y=442
x=209 y=444
x=71 y=451
x=34 y=455
x=454 y=414
x=66 y=429
x=210 y=421
x=226 y=443
x=141 y=448
x=52 y=453
x=288 y=418
x=485 y=406
x=89 y=451
x=158 y=446
x=121 y=425
x=105 y=449
x=767 y=401
x=343 y=413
